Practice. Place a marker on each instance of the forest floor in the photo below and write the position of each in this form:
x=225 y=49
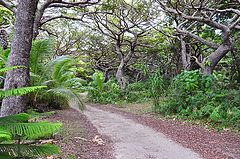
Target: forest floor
x=133 y=133
x=78 y=137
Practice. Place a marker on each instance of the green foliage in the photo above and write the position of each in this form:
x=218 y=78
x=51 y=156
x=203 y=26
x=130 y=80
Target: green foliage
x=25 y=151
x=110 y=92
x=156 y=87
x=192 y=95
x=19 y=127
x=16 y=129
x=6 y=16
x=101 y=92
x=40 y=52
x=31 y=131
x=19 y=91
x=58 y=74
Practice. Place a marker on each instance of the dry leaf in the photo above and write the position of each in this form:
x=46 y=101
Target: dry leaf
x=46 y=141
x=50 y=157
x=80 y=138
x=98 y=140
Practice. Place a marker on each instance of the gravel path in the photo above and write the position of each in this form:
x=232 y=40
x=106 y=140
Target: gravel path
x=206 y=142
x=136 y=141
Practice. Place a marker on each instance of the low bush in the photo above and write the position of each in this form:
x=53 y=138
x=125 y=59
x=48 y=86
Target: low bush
x=110 y=92
x=192 y=95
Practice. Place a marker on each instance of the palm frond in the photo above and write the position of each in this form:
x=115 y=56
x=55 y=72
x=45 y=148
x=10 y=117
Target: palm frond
x=31 y=130
x=61 y=66
x=19 y=91
x=70 y=95
x=40 y=50
x=74 y=81
x=27 y=151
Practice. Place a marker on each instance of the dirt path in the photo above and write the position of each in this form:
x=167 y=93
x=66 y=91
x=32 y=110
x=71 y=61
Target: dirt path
x=75 y=139
x=136 y=141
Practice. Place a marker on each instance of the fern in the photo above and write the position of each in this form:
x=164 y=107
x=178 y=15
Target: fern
x=5 y=135
x=41 y=49
x=31 y=131
x=23 y=117
x=19 y=91
x=10 y=68
x=61 y=65
x=16 y=151
x=18 y=127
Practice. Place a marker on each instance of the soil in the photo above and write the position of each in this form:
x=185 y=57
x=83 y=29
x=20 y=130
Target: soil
x=77 y=137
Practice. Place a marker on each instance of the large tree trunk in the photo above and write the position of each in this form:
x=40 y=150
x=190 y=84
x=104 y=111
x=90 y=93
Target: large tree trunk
x=120 y=75
x=19 y=56
x=213 y=59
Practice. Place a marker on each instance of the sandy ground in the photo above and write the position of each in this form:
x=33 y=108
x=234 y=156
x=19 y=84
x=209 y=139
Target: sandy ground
x=136 y=141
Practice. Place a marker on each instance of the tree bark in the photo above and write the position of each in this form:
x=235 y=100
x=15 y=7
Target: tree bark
x=120 y=75
x=213 y=59
x=19 y=56
x=3 y=39
x=38 y=17
x=185 y=57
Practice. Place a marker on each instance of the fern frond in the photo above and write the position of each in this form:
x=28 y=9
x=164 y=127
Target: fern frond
x=61 y=66
x=23 y=117
x=40 y=50
x=19 y=91
x=10 y=68
x=5 y=156
x=5 y=135
x=74 y=81
x=31 y=131
x=28 y=150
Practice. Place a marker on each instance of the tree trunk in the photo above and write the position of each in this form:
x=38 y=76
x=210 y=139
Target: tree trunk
x=19 y=56
x=213 y=59
x=106 y=75
x=185 y=57
x=120 y=75
x=37 y=24
x=38 y=16
x=3 y=39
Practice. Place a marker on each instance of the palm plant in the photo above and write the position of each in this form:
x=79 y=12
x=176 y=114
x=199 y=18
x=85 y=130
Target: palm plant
x=58 y=75
x=17 y=130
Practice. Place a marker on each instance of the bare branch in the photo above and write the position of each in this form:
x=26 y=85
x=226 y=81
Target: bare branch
x=208 y=43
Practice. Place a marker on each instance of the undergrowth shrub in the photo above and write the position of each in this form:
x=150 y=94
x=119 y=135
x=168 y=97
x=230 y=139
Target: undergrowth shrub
x=59 y=74
x=192 y=95
x=110 y=92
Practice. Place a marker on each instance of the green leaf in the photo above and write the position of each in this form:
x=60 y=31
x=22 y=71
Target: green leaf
x=19 y=91
x=23 y=117
x=28 y=151
x=31 y=130
x=11 y=68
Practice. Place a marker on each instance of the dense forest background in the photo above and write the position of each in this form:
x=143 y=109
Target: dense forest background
x=182 y=55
